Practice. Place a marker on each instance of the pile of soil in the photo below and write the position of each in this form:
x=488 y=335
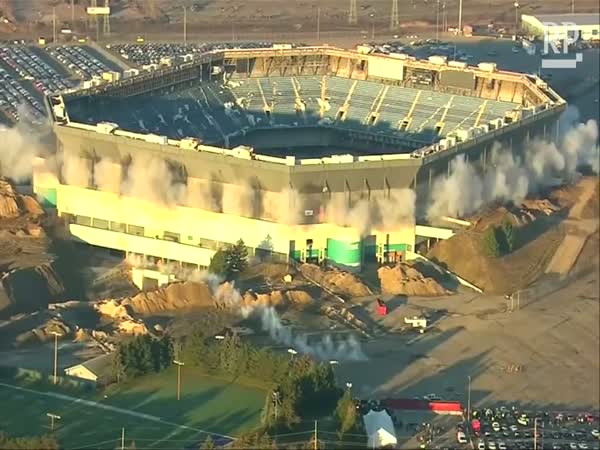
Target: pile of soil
x=174 y=297
x=43 y=332
x=277 y=298
x=338 y=281
x=9 y=208
x=463 y=255
x=404 y=279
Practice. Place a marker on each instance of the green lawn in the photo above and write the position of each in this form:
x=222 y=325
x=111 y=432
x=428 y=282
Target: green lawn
x=207 y=405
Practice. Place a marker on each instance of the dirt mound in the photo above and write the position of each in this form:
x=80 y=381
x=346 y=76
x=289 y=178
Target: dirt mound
x=176 y=296
x=29 y=289
x=339 y=282
x=9 y=208
x=30 y=205
x=44 y=332
x=277 y=298
x=463 y=255
x=406 y=280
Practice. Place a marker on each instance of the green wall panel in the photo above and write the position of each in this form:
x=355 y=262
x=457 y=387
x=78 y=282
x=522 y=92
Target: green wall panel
x=47 y=197
x=347 y=253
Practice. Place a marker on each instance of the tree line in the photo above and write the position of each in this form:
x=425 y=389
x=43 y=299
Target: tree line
x=499 y=241
x=28 y=443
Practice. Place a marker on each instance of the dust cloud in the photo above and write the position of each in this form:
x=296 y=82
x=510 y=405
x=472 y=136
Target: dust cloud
x=510 y=179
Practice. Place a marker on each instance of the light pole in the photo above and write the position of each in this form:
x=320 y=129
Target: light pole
x=535 y=421
x=516 y=18
x=437 y=21
x=179 y=364
x=372 y=16
x=52 y=417
x=56 y=334
x=219 y=337
x=349 y=386
x=292 y=352
x=469 y=398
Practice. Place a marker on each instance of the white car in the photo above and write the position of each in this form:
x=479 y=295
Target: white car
x=481 y=445
x=495 y=426
x=595 y=433
x=492 y=445
x=501 y=446
x=514 y=428
x=461 y=437
x=572 y=445
x=583 y=446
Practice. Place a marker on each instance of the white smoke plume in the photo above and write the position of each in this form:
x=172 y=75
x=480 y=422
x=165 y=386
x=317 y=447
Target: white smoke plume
x=325 y=350
x=76 y=171
x=151 y=179
x=380 y=213
x=18 y=149
x=511 y=179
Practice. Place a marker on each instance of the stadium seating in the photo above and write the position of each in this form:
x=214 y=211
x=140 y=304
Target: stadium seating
x=212 y=110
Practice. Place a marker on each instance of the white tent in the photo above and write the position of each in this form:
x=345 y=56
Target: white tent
x=380 y=429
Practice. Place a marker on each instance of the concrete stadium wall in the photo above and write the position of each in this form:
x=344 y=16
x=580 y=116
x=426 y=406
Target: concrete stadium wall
x=193 y=235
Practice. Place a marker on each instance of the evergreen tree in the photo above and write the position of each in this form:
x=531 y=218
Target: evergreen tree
x=490 y=243
x=194 y=349
x=236 y=259
x=509 y=236
x=346 y=413
x=218 y=263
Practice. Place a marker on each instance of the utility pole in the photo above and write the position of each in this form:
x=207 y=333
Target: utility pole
x=516 y=18
x=316 y=446
x=437 y=20
x=54 y=24
x=52 y=417
x=318 y=24
x=56 y=334
x=394 y=20
x=572 y=6
x=72 y=14
x=444 y=18
x=122 y=438
x=184 y=25
x=460 y=27
x=179 y=364
x=352 y=15
x=535 y=433
x=469 y=398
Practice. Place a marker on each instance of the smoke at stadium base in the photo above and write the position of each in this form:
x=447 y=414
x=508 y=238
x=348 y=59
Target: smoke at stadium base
x=381 y=213
x=324 y=350
x=226 y=294
x=511 y=179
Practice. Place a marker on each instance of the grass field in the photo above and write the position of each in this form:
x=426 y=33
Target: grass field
x=147 y=408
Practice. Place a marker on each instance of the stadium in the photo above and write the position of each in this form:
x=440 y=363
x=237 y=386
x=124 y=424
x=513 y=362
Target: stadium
x=308 y=153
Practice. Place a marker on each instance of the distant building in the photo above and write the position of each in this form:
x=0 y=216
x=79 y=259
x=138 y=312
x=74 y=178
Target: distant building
x=563 y=26
x=97 y=370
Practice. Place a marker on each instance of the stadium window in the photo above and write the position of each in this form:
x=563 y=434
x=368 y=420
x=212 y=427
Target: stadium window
x=135 y=230
x=404 y=125
x=341 y=115
x=173 y=237
x=372 y=119
x=100 y=223
x=118 y=227
x=83 y=220
x=68 y=218
x=438 y=128
x=208 y=243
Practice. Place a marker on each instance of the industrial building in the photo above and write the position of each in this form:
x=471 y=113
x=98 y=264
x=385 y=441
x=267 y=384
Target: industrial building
x=306 y=153
x=563 y=26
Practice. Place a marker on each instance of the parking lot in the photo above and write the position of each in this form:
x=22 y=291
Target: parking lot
x=508 y=428
x=152 y=53
x=79 y=60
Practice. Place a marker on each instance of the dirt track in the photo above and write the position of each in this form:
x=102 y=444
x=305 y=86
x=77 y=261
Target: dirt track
x=579 y=230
